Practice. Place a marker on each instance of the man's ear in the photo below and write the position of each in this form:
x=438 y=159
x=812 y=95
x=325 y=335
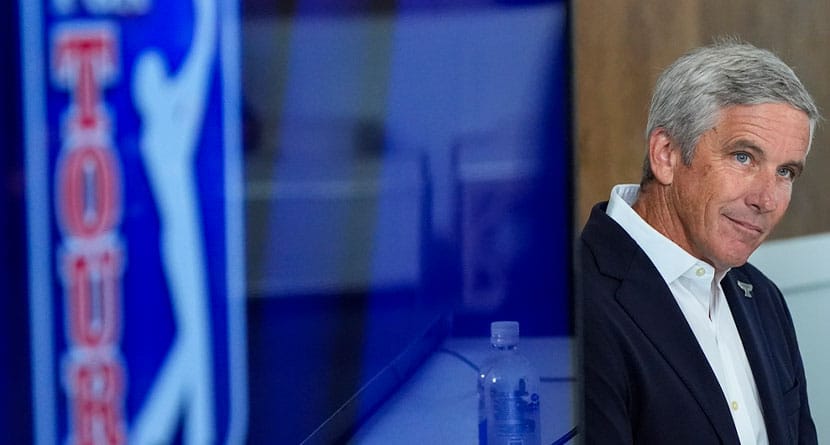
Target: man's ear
x=663 y=155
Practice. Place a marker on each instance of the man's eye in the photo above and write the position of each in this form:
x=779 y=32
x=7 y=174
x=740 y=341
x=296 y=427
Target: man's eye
x=743 y=158
x=786 y=172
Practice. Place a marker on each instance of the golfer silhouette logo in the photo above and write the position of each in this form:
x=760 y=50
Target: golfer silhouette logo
x=172 y=108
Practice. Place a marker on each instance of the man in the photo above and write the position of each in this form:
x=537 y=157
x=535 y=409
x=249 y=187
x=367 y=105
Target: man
x=684 y=342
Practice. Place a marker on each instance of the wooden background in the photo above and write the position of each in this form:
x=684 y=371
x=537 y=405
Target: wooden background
x=621 y=46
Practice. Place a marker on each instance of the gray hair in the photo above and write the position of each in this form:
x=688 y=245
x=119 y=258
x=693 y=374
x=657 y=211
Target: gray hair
x=692 y=91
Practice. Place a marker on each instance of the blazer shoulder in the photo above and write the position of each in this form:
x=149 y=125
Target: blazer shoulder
x=605 y=246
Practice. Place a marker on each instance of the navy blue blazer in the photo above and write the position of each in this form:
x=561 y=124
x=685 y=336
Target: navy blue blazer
x=646 y=379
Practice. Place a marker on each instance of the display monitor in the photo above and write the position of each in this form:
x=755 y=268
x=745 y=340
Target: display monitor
x=408 y=178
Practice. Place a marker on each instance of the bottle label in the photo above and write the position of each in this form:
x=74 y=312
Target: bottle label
x=514 y=418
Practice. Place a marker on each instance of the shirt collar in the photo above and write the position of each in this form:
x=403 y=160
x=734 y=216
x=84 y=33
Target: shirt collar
x=671 y=260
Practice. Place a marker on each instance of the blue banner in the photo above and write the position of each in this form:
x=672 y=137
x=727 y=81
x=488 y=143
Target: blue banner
x=134 y=206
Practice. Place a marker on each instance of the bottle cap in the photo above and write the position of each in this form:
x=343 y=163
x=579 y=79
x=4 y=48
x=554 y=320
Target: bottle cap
x=504 y=333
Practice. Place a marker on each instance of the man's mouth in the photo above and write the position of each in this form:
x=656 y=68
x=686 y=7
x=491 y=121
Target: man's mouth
x=745 y=225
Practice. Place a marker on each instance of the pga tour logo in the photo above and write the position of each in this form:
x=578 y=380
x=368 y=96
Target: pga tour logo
x=88 y=208
x=197 y=390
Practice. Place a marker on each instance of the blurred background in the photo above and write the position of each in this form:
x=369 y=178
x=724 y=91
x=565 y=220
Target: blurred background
x=408 y=164
x=360 y=188
x=272 y=222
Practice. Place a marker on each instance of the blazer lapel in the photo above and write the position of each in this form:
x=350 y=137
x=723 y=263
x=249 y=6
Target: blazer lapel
x=747 y=319
x=649 y=302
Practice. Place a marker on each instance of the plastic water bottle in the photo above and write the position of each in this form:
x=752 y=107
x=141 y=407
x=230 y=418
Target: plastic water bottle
x=508 y=392
x=483 y=369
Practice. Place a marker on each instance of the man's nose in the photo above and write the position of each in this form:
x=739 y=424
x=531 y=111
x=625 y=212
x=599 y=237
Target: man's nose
x=764 y=195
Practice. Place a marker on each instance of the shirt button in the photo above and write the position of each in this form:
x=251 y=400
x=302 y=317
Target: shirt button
x=734 y=405
x=700 y=271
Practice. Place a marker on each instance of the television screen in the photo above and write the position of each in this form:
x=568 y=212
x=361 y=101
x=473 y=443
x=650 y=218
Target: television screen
x=408 y=178
x=407 y=181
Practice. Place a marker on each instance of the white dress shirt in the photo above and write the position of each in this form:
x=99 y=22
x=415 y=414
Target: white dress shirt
x=696 y=288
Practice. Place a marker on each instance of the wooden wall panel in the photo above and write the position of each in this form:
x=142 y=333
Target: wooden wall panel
x=620 y=47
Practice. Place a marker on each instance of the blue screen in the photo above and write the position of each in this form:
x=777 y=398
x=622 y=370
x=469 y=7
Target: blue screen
x=407 y=178
x=405 y=162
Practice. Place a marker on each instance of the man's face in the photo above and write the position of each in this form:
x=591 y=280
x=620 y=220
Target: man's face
x=739 y=183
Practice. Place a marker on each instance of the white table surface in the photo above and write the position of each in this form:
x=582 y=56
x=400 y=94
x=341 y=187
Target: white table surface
x=439 y=403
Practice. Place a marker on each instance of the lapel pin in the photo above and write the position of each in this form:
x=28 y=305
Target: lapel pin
x=747 y=288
